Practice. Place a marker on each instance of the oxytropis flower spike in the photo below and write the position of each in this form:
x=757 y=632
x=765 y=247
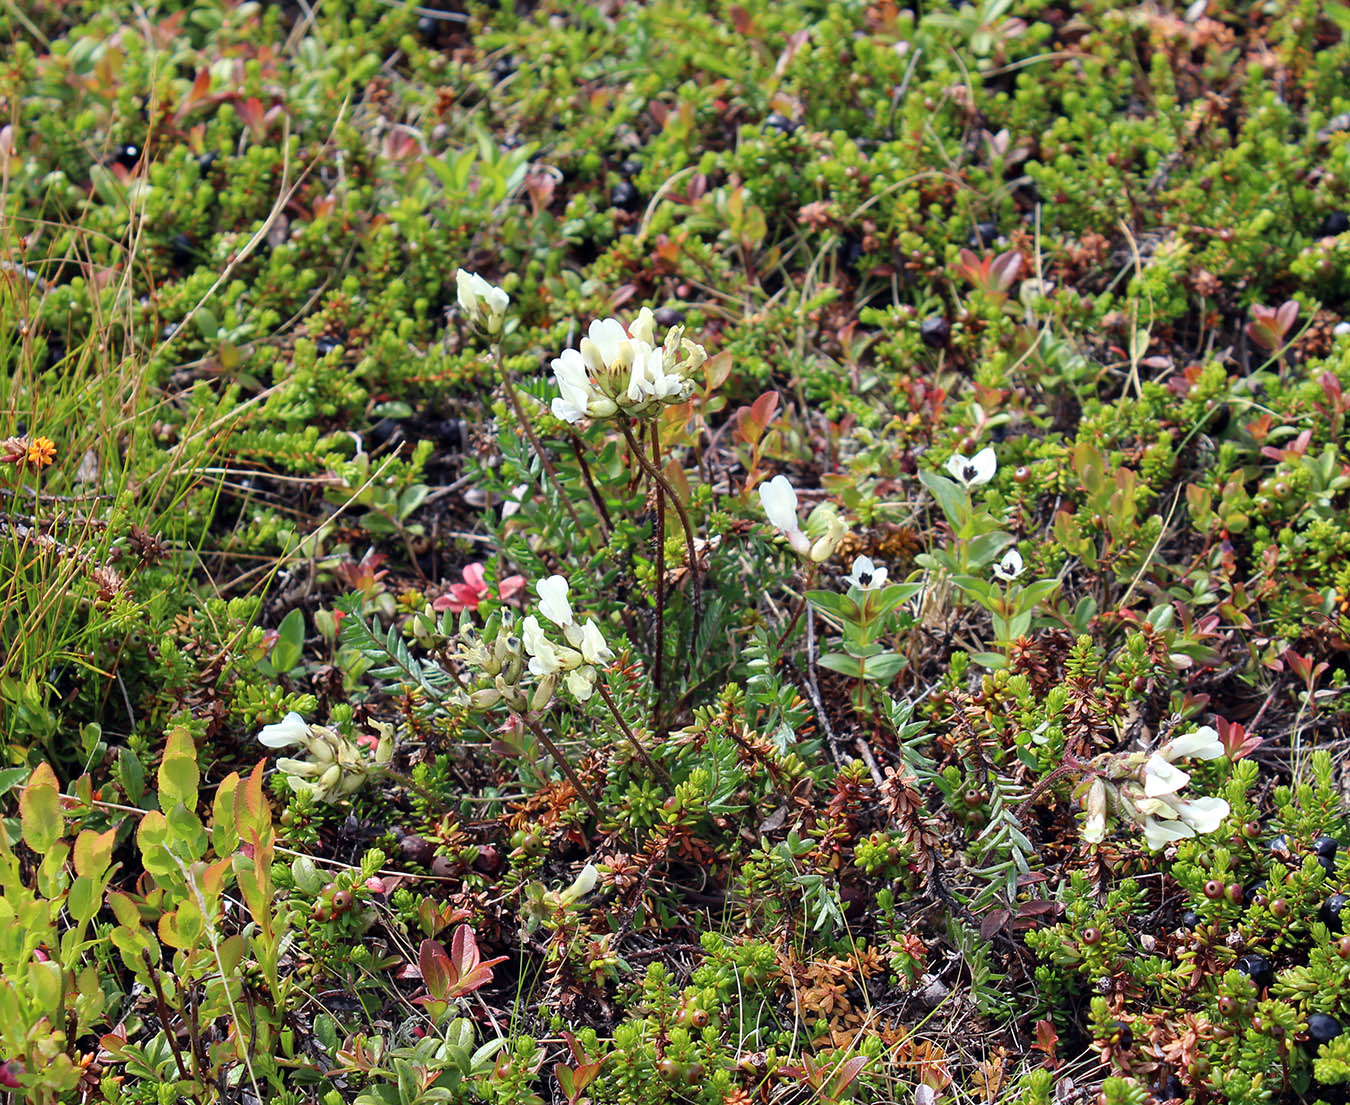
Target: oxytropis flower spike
x=973 y=471
x=1145 y=787
x=576 y=661
x=336 y=766
x=621 y=369
x=484 y=304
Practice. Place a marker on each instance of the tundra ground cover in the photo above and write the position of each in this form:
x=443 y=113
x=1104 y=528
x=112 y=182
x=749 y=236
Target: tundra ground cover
x=699 y=552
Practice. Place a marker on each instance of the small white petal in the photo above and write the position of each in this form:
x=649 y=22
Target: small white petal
x=1161 y=777
x=289 y=730
x=985 y=463
x=779 y=499
x=1203 y=744
x=1010 y=567
x=553 y=602
x=1204 y=815
x=1160 y=833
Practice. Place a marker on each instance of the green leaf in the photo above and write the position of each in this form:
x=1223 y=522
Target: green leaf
x=1032 y=595
x=951 y=498
x=844 y=665
x=40 y=810
x=11 y=777
x=178 y=775
x=985 y=548
x=835 y=605
x=290 y=644
x=884 y=668
x=880 y=603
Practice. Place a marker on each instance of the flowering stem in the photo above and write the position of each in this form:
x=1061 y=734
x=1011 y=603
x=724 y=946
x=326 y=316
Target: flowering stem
x=655 y=768
x=658 y=679
x=654 y=471
x=597 y=501
x=564 y=766
x=535 y=444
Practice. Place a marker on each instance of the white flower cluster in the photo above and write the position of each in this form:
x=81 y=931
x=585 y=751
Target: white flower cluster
x=483 y=304
x=507 y=659
x=1146 y=789
x=622 y=369
x=585 y=643
x=824 y=526
x=336 y=767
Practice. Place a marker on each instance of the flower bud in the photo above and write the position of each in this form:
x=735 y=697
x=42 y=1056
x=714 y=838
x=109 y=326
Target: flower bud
x=543 y=694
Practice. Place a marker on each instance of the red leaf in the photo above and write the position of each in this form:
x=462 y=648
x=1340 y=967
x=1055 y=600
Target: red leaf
x=438 y=972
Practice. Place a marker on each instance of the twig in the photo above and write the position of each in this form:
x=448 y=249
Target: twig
x=655 y=767
x=658 y=674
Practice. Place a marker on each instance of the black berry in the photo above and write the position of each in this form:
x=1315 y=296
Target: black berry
x=207 y=160
x=127 y=155
x=850 y=250
x=1322 y=1029
x=1122 y=1035
x=502 y=68
x=625 y=197
x=416 y=849
x=1330 y=913
x=1338 y=222
x=982 y=235
x=669 y=316
x=1326 y=846
x=326 y=344
x=1258 y=969
x=781 y=123
x=1191 y=920
x=630 y=168
x=429 y=29
x=935 y=330
x=384 y=431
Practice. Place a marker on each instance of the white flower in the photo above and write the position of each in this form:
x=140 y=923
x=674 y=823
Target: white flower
x=1203 y=744
x=574 y=381
x=779 y=499
x=1162 y=778
x=1157 y=834
x=291 y=729
x=1204 y=815
x=593 y=648
x=973 y=471
x=543 y=656
x=485 y=304
x=553 y=602
x=581 y=682
x=866 y=576
x=1094 y=828
x=1010 y=567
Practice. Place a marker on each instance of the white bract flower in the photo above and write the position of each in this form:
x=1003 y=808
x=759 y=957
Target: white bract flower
x=973 y=471
x=290 y=730
x=553 y=602
x=866 y=576
x=779 y=499
x=1010 y=567
x=485 y=304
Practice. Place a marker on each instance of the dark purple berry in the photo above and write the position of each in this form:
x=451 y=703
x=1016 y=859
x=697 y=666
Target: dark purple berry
x=1330 y=913
x=625 y=197
x=781 y=123
x=1322 y=1029
x=935 y=330
x=326 y=344
x=983 y=235
x=1338 y=222
x=429 y=29
x=1258 y=969
x=630 y=168
x=1325 y=846
x=669 y=316
x=416 y=849
x=1191 y=920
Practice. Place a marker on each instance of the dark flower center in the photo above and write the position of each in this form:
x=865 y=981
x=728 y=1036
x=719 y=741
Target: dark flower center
x=969 y=472
x=864 y=579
